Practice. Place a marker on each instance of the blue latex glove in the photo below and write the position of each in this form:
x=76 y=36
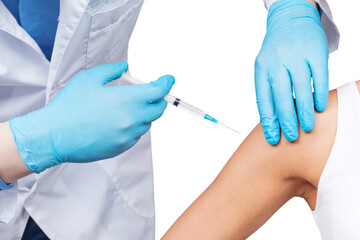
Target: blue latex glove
x=88 y=121
x=294 y=51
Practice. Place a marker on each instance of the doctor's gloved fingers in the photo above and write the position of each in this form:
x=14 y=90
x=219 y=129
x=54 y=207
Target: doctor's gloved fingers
x=154 y=111
x=150 y=92
x=158 y=89
x=129 y=144
x=284 y=104
x=264 y=100
x=320 y=75
x=301 y=79
x=105 y=73
x=133 y=135
x=141 y=129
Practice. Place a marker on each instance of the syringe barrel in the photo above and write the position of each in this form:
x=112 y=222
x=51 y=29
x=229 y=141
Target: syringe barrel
x=170 y=99
x=184 y=105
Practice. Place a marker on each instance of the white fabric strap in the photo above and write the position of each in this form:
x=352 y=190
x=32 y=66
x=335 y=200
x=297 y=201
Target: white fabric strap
x=331 y=30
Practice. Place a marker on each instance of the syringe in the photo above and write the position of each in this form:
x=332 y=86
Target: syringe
x=177 y=102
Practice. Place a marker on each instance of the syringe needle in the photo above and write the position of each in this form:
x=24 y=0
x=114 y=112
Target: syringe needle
x=177 y=102
x=229 y=128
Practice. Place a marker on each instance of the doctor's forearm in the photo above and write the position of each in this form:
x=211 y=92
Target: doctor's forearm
x=12 y=167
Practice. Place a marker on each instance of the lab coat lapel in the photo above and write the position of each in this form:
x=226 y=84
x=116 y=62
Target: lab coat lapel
x=71 y=12
x=23 y=69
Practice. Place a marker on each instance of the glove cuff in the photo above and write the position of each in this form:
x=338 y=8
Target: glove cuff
x=284 y=10
x=33 y=141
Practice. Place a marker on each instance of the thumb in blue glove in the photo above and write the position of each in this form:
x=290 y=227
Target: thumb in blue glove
x=89 y=121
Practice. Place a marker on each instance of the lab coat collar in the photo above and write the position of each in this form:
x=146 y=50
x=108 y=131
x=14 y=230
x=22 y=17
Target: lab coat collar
x=71 y=11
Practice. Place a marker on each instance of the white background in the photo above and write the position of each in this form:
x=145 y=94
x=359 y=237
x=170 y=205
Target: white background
x=210 y=47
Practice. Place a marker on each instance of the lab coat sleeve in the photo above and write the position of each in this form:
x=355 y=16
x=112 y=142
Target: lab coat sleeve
x=8 y=201
x=332 y=32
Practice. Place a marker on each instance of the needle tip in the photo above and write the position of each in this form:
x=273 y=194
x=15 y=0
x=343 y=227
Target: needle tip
x=229 y=128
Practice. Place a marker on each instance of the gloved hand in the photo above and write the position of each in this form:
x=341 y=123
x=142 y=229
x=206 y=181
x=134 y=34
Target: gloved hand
x=294 y=51
x=88 y=121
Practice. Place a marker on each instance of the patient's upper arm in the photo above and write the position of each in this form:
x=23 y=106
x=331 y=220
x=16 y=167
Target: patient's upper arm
x=257 y=180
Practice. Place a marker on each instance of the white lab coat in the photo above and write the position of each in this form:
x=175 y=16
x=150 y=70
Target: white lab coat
x=111 y=199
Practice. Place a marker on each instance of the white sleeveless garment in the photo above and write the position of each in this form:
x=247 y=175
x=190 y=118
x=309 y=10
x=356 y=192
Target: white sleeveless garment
x=337 y=211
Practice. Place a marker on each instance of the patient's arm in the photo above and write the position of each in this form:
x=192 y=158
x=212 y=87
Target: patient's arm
x=258 y=180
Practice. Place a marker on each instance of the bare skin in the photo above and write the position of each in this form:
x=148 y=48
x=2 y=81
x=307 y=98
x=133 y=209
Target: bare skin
x=258 y=180
x=12 y=167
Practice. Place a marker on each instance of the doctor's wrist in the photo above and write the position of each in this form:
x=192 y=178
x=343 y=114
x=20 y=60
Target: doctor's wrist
x=32 y=134
x=285 y=11
x=12 y=167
